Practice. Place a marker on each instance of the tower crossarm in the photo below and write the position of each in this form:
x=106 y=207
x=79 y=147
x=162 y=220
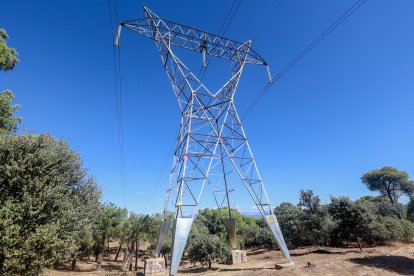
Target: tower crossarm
x=190 y=38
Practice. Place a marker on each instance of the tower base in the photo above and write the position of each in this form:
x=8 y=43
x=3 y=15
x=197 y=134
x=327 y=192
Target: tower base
x=238 y=256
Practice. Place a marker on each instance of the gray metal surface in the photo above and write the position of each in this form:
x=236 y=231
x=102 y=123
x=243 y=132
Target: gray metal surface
x=274 y=226
x=182 y=229
x=230 y=225
x=165 y=226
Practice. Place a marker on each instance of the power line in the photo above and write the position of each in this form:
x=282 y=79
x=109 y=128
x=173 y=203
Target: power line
x=118 y=94
x=221 y=32
x=276 y=8
x=163 y=168
x=121 y=119
x=227 y=17
x=231 y=19
x=305 y=51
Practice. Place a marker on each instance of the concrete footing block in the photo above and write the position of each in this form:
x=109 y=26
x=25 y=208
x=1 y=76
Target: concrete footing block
x=154 y=266
x=238 y=256
x=285 y=265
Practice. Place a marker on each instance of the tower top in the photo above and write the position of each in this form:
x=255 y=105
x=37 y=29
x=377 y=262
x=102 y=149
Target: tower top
x=186 y=37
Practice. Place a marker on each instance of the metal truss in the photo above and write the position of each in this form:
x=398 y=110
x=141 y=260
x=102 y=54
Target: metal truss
x=212 y=147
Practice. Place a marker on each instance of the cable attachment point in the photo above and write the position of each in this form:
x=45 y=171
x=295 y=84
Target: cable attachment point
x=268 y=74
x=116 y=43
x=203 y=49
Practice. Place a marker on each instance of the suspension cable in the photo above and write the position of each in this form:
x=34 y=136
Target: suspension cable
x=302 y=54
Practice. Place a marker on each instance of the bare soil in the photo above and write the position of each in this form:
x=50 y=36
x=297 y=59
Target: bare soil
x=393 y=259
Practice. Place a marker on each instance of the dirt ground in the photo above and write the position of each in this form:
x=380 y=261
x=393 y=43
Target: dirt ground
x=395 y=259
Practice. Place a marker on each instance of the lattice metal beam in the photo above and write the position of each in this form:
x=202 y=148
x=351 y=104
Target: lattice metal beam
x=190 y=38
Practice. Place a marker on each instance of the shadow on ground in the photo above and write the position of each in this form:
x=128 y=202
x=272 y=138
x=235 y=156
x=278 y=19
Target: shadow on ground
x=327 y=252
x=196 y=270
x=258 y=251
x=397 y=264
x=214 y=269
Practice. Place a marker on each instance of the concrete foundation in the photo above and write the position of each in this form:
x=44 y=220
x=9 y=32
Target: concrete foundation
x=238 y=256
x=285 y=265
x=155 y=266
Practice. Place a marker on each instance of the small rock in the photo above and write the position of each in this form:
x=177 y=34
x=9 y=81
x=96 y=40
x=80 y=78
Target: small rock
x=311 y=264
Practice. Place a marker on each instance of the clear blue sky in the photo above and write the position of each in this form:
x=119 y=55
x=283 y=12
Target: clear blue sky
x=346 y=108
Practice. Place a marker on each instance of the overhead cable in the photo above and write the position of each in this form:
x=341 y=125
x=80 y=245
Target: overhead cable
x=118 y=94
x=303 y=53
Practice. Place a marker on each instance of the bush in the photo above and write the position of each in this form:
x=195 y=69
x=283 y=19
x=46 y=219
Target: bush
x=259 y=237
x=289 y=218
x=307 y=223
x=208 y=248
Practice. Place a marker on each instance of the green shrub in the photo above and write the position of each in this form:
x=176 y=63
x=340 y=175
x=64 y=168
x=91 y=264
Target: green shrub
x=207 y=249
x=258 y=237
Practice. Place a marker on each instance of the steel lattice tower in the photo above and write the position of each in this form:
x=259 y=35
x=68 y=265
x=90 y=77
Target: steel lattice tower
x=212 y=147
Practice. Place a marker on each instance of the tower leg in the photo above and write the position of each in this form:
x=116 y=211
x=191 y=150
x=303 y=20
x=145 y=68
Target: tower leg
x=238 y=151
x=277 y=233
x=182 y=229
x=230 y=225
x=164 y=228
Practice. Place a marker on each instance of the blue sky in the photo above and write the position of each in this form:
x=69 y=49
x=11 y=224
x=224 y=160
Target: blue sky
x=346 y=108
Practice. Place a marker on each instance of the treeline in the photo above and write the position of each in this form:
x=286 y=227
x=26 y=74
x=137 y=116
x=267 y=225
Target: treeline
x=366 y=221
x=370 y=220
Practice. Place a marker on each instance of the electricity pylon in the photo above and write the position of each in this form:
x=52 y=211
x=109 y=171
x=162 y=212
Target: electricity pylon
x=212 y=147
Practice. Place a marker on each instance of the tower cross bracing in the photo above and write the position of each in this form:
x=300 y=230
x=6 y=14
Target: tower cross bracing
x=211 y=148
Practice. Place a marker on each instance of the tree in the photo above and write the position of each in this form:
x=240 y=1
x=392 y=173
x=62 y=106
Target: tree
x=289 y=217
x=8 y=59
x=137 y=222
x=109 y=223
x=47 y=203
x=389 y=182
x=314 y=223
x=351 y=218
x=8 y=56
x=410 y=209
x=212 y=219
x=206 y=248
x=258 y=237
x=8 y=121
x=381 y=206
